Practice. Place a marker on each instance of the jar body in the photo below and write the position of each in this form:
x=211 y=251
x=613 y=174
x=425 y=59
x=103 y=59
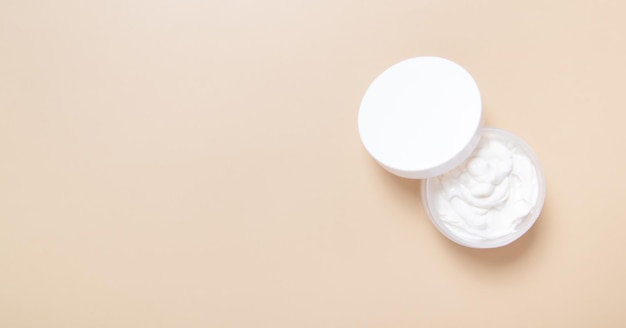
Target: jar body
x=493 y=197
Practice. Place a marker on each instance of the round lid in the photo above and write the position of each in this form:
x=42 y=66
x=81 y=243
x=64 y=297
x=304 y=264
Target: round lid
x=421 y=117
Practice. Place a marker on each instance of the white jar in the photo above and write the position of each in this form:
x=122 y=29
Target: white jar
x=422 y=119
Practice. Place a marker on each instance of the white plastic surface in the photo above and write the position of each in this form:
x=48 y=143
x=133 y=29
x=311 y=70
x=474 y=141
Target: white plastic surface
x=421 y=117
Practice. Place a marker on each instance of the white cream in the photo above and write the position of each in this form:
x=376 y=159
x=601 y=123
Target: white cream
x=490 y=194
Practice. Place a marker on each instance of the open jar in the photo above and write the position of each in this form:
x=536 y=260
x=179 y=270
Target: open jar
x=422 y=119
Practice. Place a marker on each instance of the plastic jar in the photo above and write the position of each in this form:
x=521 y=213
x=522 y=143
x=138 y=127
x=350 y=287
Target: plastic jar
x=422 y=119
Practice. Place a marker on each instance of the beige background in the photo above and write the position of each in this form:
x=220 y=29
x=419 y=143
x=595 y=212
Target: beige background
x=180 y=163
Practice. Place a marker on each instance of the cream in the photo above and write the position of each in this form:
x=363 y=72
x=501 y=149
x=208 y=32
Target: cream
x=490 y=194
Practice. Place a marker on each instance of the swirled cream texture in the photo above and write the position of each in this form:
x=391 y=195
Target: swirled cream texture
x=487 y=196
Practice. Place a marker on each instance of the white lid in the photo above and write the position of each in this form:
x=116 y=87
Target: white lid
x=421 y=117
